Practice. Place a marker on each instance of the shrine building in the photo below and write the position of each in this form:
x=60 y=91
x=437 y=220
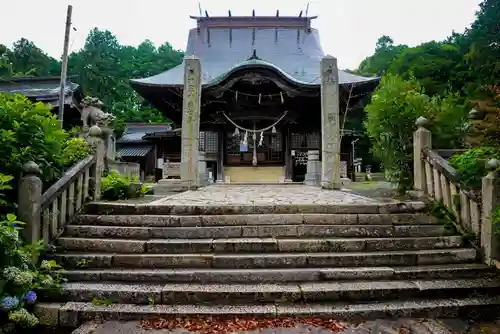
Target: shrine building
x=270 y=99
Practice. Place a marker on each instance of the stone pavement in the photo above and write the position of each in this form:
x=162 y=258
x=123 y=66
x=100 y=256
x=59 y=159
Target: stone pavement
x=263 y=195
x=381 y=326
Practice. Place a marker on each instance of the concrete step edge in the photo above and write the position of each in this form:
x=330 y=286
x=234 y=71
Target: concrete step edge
x=264 y=219
x=165 y=209
x=72 y=314
x=258 y=245
x=215 y=275
x=256 y=231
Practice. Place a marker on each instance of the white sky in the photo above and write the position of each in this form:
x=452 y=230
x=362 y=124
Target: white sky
x=349 y=28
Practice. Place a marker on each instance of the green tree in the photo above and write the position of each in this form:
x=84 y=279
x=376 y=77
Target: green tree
x=27 y=58
x=379 y=63
x=390 y=123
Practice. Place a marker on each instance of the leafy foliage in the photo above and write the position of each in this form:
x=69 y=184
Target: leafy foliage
x=115 y=186
x=29 y=132
x=471 y=165
x=22 y=278
x=74 y=150
x=390 y=124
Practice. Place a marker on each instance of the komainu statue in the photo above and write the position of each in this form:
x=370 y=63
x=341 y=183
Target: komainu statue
x=91 y=112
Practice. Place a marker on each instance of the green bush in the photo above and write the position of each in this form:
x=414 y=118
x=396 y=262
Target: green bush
x=22 y=278
x=74 y=150
x=29 y=132
x=471 y=165
x=390 y=124
x=115 y=186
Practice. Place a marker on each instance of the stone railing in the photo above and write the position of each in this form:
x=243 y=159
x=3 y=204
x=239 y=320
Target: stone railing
x=436 y=179
x=45 y=214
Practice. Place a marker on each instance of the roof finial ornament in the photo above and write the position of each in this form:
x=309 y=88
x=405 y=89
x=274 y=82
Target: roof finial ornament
x=277 y=13
x=253 y=12
x=229 y=12
x=254 y=55
x=300 y=14
x=206 y=13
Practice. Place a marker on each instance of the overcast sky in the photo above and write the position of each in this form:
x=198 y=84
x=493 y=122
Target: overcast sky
x=349 y=28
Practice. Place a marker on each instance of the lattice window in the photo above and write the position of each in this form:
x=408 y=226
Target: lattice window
x=313 y=140
x=201 y=146
x=310 y=141
x=211 y=142
x=208 y=142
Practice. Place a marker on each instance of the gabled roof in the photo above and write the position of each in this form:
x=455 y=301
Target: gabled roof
x=38 y=88
x=135 y=132
x=293 y=52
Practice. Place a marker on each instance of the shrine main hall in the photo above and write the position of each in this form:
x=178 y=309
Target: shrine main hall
x=258 y=101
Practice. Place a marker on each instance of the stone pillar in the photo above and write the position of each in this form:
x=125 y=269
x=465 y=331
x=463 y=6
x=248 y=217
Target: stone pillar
x=220 y=157
x=100 y=152
x=191 y=122
x=490 y=194
x=422 y=139
x=29 y=202
x=202 y=169
x=313 y=175
x=330 y=128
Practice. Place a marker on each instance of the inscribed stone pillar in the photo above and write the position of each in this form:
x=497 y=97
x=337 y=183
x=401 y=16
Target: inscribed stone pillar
x=422 y=139
x=191 y=122
x=330 y=129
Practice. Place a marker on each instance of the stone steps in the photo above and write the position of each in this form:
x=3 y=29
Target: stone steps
x=266 y=260
x=339 y=260
x=285 y=293
x=282 y=275
x=72 y=314
x=258 y=245
x=256 y=231
x=261 y=219
x=190 y=208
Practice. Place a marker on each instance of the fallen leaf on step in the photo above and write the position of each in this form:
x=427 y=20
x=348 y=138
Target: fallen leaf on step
x=209 y=325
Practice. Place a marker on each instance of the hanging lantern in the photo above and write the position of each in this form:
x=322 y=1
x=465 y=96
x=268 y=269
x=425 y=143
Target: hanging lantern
x=236 y=132
x=273 y=130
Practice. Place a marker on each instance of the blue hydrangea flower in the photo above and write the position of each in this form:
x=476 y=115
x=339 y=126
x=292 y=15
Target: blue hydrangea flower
x=9 y=303
x=30 y=297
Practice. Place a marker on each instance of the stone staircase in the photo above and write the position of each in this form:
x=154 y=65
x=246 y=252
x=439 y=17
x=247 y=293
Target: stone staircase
x=371 y=260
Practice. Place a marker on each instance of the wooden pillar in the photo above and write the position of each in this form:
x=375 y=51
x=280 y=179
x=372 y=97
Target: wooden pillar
x=220 y=156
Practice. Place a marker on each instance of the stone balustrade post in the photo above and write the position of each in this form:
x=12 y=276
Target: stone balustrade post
x=99 y=149
x=30 y=202
x=422 y=139
x=490 y=194
x=313 y=173
x=202 y=169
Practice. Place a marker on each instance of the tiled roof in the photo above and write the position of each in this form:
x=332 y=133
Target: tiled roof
x=135 y=132
x=134 y=150
x=295 y=53
x=43 y=89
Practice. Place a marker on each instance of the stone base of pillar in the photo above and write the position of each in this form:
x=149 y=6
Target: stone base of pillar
x=313 y=174
x=288 y=180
